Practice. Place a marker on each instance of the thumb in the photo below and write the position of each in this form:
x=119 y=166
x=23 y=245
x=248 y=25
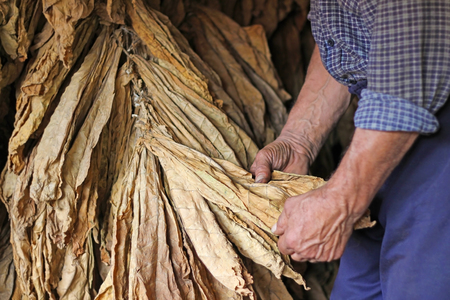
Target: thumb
x=280 y=226
x=262 y=170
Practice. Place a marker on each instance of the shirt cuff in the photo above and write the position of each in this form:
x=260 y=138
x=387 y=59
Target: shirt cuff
x=384 y=112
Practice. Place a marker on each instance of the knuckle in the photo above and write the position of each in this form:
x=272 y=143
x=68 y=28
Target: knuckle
x=291 y=241
x=289 y=203
x=297 y=257
x=283 y=247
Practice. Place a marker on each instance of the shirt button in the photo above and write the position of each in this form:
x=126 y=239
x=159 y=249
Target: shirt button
x=330 y=43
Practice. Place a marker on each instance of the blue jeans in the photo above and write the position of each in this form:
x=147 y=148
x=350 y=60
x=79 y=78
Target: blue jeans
x=407 y=254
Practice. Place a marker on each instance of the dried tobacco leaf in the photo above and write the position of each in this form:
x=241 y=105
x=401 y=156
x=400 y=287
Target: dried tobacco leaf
x=266 y=14
x=7 y=276
x=253 y=246
x=168 y=91
x=9 y=13
x=203 y=281
x=115 y=153
x=156 y=36
x=70 y=157
x=77 y=274
x=64 y=15
x=266 y=285
x=174 y=9
x=86 y=208
x=117 y=240
x=291 y=67
x=183 y=268
x=250 y=45
x=30 y=12
x=24 y=213
x=212 y=48
x=151 y=274
x=209 y=242
x=18 y=22
x=39 y=88
x=116 y=284
x=222 y=101
x=225 y=102
x=116 y=11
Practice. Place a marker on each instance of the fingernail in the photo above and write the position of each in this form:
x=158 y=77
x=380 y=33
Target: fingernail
x=259 y=178
x=274 y=228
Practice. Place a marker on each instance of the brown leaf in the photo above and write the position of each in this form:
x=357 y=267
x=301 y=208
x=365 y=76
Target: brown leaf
x=181 y=265
x=45 y=75
x=63 y=15
x=156 y=36
x=174 y=9
x=206 y=236
x=213 y=50
x=116 y=11
x=7 y=276
x=151 y=275
x=67 y=154
x=266 y=14
x=266 y=285
x=250 y=45
x=8 y=36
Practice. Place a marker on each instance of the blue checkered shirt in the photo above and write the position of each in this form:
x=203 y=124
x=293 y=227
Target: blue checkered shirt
x=398 y=49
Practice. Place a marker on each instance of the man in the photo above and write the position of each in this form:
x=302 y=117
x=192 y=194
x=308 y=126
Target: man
x=395 y=55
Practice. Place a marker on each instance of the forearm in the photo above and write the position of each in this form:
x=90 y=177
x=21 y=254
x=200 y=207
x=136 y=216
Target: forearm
x=368 y=162
x=320 y=104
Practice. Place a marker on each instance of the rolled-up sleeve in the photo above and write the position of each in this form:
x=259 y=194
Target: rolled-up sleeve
x=408 y=70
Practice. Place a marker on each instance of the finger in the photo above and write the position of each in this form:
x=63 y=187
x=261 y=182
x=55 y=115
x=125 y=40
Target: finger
x=282 y=246
x=280 y=227
x=261 y=168
x=298 y=257
x=263 y=173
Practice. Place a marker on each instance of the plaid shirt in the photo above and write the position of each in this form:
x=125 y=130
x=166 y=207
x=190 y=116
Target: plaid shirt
x=400 y=48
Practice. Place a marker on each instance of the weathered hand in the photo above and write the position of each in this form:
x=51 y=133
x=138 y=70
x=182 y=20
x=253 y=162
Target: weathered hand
x=315 y=226
x=283 y=155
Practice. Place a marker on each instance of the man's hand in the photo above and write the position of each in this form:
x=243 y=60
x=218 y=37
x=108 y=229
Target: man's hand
x=315 y=226
x=320 y=104
x=284 y=155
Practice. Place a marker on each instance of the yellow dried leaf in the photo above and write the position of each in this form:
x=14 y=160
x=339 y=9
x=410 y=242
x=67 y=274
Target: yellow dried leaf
x=167 y=89
x=206 y=236
x=151 y=275
x=161 y=45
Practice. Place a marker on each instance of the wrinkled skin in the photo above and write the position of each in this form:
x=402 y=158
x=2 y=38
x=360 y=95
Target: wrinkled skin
x=282 y=154
x=313 y=228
